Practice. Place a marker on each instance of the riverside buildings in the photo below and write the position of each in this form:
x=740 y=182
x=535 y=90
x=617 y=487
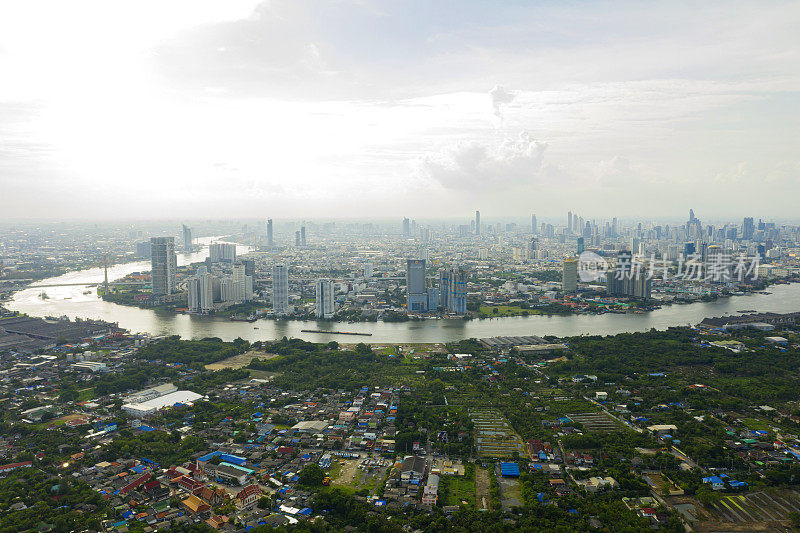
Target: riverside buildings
x=416 y=293
x=280 y=290
x=164 y=265
x=325 y=303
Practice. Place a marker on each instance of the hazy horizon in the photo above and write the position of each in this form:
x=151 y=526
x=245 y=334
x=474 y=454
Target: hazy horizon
x=357 y=109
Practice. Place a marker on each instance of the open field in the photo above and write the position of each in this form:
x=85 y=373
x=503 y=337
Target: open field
x=597 y=422
x=458 y=490
x=758 y=510
x=502 y=310
x=757 y=425
x=238 y=361
x=482 y=484
x=510 y=490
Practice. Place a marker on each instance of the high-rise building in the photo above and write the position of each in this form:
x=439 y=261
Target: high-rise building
x=280 y=290
x=163 y=265
x=201 y=293
x=477 y=222
x=228 y=291
x=406 y=227
x=453 y=290
x=580 y=245
x=143 y=250
x=718 y=267
x=627 y=279
x=569 y=221
x=433 y=298
x=748 y=229
x=325 y=304
x=534 y=227
x=297 y=238
x=242 y=283
x=188 y=242
x=270 y=239
x=457 y=300
x=303 y=235
x=369 y=270
x=416 y=293
x=222 y=252
x=569 y=275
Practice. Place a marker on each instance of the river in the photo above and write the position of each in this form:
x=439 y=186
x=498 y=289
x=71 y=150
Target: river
x=72 y=301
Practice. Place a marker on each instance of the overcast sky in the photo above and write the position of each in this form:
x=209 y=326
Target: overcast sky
x=348 y=108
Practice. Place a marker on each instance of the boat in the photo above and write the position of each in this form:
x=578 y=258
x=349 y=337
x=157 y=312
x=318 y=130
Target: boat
x=747 y=311
x=328 y=332
x=44 y=296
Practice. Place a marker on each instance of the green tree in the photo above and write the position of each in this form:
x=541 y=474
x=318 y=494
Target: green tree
x=312 y=475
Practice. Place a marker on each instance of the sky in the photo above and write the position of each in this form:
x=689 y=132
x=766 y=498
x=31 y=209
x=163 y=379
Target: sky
x=385 y=108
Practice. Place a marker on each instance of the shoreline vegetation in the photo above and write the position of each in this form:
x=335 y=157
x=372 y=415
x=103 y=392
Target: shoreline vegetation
x=482 y=310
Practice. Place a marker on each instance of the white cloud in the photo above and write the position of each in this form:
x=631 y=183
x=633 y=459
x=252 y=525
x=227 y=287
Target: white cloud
x=311 y=105
x=473 y=165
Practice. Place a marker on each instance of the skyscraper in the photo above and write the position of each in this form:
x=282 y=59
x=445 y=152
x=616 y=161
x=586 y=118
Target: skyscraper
x=302 y=235
x=280 y=289
x=406 y=227
x=457 y=300
x=416 y=294
x=163 y=265
x=270 y=240
x=222 y=252
x=453 y=290
x=534 y=227
x=242 y=283
x=187 y=238
x=569 y=221
x=627 y=279
x=580 y=245
x=748 y=229
x=325 y=304
x=201 y=294
x=569 y=275
x=477 y=222
x=297 y=238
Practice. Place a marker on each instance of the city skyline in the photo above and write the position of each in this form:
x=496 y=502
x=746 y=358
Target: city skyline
x=359 y=111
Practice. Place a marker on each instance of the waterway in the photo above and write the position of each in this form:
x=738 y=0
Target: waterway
x=71 y=301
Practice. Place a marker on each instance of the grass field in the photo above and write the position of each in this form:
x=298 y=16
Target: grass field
x=756 y=424
x=457 y=489
x=238 y=361
x=502 y=310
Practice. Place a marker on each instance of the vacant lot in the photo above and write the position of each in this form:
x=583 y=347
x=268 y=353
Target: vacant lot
x=345 y=476
x=482 y=484
x=456 y=490
x=238 y=361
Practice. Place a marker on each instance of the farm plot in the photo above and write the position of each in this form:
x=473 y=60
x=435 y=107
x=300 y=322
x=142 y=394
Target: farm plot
x=597 y=422
x=757 y=507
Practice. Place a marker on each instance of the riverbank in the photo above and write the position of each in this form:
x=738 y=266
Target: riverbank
x=784 y=298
